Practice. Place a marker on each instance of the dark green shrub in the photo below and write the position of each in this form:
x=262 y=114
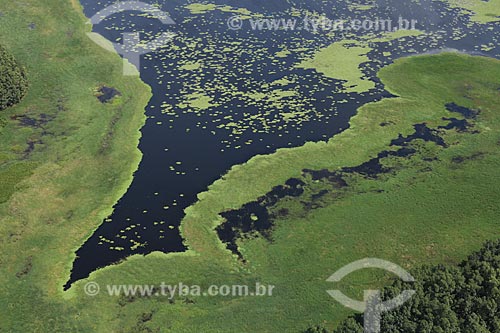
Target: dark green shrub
x=448 y=299
x=13 y=80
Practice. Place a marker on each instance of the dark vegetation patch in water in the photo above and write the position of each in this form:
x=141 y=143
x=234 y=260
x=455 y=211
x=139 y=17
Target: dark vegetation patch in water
x=106 y=94
x=35 y=122
x=38 y=122
x=466 y=112
x=462 y=159
x=258 y=218
x=421 y=132
x=332 y=176
x=373 y=168
x=31 y=146
x=386 y=123
x=460 y=125
x=318 y=195
x=253 y=218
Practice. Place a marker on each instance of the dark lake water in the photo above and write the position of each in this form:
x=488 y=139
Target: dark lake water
x=185 y=149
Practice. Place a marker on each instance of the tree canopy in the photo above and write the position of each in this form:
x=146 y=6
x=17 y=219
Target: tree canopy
x=463 y=298
x=13 y=80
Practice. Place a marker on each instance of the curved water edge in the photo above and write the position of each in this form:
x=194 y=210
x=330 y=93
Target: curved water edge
x=120 y=190
x=151 y=211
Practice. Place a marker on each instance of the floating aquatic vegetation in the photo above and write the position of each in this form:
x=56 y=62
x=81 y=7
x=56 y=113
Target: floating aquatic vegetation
x=342 y=61
x=222 y=95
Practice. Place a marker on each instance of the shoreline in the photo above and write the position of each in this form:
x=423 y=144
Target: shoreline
x=118 y=191
x=194 y=211
x=82 y=170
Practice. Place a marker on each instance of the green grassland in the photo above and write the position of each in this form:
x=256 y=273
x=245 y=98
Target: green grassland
x=52 y=197
x=341 y=62
x=431 y=209
x=479 y=11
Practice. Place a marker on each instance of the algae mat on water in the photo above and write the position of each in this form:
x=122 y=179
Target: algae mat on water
x=435 y=205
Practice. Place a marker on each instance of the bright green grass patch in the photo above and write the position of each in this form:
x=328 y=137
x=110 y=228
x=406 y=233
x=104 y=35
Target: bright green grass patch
x=201 y=8
x=191 y=66
x=11 y=176
x=358 y=6
x=341 y=61
x=197 y=101
x=481 y=11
